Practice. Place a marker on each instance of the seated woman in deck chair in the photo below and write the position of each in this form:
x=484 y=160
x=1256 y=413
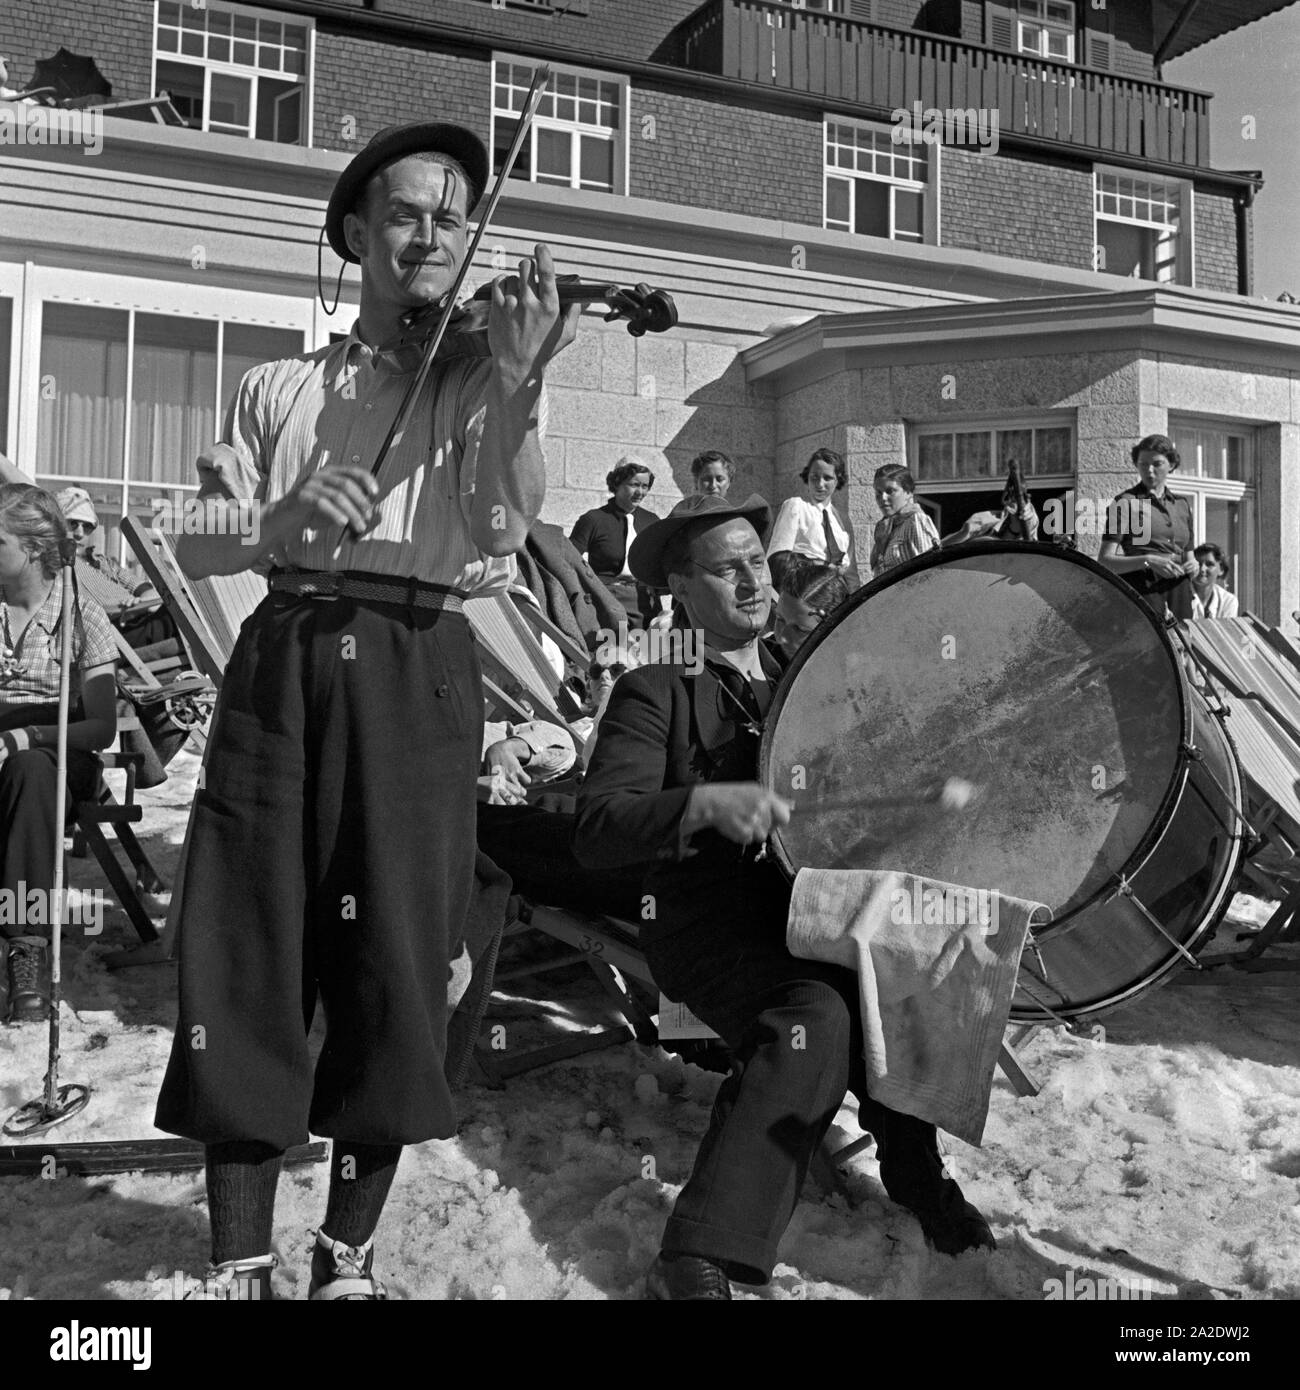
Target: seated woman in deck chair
x=31 y=532
x=137 y=612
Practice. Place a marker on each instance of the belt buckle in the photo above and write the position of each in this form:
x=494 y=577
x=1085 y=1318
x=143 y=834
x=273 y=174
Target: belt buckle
x=327 y=586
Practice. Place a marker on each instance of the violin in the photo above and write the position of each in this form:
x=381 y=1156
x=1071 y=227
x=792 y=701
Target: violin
x=644 y=309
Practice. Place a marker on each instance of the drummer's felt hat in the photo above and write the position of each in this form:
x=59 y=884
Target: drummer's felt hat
x=396 y=142
x=646 y=557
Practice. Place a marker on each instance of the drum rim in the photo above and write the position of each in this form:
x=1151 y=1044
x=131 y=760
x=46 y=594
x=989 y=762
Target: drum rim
x=933 y=559
x=1214 y=914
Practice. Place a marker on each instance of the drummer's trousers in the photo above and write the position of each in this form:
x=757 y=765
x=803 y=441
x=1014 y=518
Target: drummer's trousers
x=795 y=1032
x=332 y=853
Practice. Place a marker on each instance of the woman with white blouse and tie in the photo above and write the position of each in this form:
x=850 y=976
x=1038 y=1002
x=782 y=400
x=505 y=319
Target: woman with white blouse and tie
x=810 y=525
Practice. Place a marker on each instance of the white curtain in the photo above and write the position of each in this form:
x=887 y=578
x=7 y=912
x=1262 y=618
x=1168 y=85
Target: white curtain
x=82 y=392
x=173 y=397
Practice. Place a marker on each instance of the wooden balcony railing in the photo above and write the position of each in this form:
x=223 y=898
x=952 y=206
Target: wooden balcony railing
x=874 y=65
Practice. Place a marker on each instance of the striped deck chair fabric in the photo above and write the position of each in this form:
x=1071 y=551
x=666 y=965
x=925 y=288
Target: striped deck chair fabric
x=1261 y=691
x=511 y=645
x=209 y=612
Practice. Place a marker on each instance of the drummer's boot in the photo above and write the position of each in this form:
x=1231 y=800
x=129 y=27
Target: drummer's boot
x=29 y=1000
x=913 y=1173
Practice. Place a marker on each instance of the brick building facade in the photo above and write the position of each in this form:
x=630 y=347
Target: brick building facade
x=722 y=190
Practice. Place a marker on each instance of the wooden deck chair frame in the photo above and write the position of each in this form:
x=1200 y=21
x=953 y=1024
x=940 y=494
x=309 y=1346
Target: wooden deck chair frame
x=543 y=626
x=512 y=657
x=89 y=817
x=605 y=944
x=208 y=612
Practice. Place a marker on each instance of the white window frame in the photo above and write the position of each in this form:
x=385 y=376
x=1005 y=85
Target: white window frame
x=49 y=284
x=619 y=138
x=12 y=277
x=990 y=426
x=1032 y=17
x=243 y=70
x=928 y=187
x=1246 y=580
x=1184 y=258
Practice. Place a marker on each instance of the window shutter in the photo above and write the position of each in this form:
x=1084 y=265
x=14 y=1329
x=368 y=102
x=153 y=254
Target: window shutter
x=1099 y=51
x=1000 y=26
x=861 y=9
x=1098 y=39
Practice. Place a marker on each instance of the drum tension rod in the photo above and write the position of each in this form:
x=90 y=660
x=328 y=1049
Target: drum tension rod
x=1195 y=754
x=1125 y=889
x=1047 y=1008
x=1042 y=965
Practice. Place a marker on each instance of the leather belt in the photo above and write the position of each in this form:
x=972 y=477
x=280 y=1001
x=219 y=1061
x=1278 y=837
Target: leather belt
x=377 y=588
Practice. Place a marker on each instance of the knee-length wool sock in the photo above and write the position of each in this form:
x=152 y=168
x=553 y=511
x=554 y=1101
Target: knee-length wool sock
x=360 y=1176
x=242 y=1176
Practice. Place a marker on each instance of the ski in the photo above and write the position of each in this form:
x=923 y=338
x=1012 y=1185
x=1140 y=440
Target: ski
x=122 y=1156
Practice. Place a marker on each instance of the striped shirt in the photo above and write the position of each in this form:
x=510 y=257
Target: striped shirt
x=333 y=407
x=29 y=659
x=902 y=537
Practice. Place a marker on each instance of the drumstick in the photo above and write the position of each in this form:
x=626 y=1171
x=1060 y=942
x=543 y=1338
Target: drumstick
x=958 y=793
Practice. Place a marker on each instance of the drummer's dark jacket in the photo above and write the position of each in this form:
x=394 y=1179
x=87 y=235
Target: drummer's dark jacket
x=664 y=731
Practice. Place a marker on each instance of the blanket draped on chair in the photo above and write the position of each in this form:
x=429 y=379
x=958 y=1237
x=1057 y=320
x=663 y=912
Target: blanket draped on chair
x=566 y=586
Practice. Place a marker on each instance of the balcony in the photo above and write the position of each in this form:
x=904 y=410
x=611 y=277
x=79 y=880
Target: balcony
x=876 y=66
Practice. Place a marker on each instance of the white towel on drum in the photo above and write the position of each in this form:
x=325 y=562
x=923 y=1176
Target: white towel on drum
x=936 y=966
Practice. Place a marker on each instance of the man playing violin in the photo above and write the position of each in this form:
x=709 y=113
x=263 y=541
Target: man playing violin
x=674 y=777
x=332 y=840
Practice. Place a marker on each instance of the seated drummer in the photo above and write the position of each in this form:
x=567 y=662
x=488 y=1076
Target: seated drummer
x=673 y=779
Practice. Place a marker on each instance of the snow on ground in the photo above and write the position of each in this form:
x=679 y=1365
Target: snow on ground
x=1169 y=1152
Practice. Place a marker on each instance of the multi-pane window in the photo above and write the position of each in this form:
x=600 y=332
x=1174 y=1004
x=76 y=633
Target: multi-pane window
x=979 y=453
x=130 y=399
x=875 y=186
x=1139 y=225
x=6 y=330
x=1046 y=28
x=234 y=69
x=577 y=139
x=1217 y=472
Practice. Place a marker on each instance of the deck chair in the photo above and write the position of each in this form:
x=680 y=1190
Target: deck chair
x=209 y=612
x=1254 y=672
x=91 y=818
x=515 y=666
x=609 y=947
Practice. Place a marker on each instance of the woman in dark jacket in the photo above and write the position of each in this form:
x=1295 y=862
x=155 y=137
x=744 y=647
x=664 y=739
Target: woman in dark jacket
x=1149 y=532
x=604 y=534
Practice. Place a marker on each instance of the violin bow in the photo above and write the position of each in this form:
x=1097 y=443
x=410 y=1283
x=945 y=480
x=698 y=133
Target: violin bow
x=541 y=76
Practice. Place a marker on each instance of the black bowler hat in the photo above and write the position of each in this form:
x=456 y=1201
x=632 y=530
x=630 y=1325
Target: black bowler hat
x=396 y=142
x=646 y=557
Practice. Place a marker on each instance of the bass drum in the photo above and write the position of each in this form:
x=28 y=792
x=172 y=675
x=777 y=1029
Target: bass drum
x=1108 y=788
